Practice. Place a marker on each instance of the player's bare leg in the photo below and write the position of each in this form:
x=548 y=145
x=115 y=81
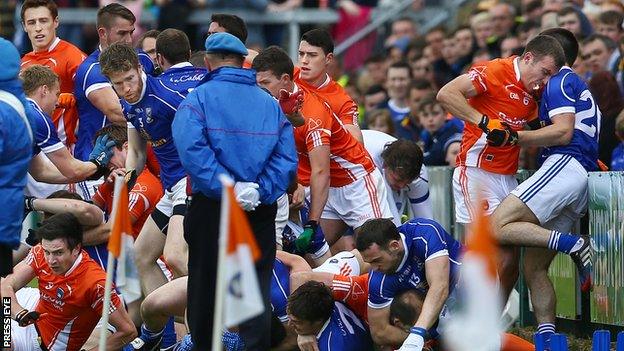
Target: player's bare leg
x=176 y=249
x=148 y=248
x=167 y=301
x=333 y=230
x=543 y=298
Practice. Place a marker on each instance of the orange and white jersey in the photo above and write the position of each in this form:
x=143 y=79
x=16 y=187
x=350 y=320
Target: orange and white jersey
x=500 y=95
x=335 y=96
x=63 y=58
x=142 y=198
x=349 y=161
x=70 y=304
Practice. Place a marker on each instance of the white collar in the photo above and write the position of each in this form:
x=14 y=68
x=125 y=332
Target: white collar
x=516 y=66
x=181 y=65
x=405 y=253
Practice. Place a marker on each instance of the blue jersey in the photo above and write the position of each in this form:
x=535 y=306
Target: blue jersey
x=566 y=92
x=89 y=78
x=280 y=289
x=344 y=331
x=46 y=137
x=423 y=240
x=152 y=116
x=183 y=77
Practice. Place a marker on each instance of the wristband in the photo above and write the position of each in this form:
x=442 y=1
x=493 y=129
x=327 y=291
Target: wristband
x=419 y=331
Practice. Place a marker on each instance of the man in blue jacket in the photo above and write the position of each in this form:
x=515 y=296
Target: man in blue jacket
x=228 y=125
x=16 y=145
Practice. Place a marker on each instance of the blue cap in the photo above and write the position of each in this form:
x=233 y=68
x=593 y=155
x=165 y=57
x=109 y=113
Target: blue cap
x=225 y=42
x=11 y=60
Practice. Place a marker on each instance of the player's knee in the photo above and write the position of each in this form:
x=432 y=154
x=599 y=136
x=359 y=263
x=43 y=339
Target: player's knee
x=150 y=306
x=177 y=261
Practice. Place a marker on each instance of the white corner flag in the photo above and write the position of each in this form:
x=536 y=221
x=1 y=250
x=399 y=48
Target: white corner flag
x=238 y=295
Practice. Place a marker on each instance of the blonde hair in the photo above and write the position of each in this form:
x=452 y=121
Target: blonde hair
x=36 y=76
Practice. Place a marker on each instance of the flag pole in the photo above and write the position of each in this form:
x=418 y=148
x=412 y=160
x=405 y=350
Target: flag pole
x=217 y=322
x=110 y=269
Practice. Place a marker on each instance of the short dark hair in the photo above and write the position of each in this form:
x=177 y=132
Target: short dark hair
x=375 y=89
x=30 y=4
x=545 y=45
x=566 y=10
x=420 y=84
x=527 y=26
x=608 y=42
x=311 y=302
x=115 y=132
x=118 y=57
x=61 y=226
x=197 y=58
x=64 y=194
x=378 y=231
x=401 y=309
x=429 y=100
x=152 y=33
x=108 y=13
x=567 y=40
x=376 y=58
x=275 y=60
x=400 y=65
x=232 y=24
x=320 y=38
x=174 y=45
x=404 y=157
x=611 y=17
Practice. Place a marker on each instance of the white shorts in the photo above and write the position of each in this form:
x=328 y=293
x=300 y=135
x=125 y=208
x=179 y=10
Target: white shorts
x=354 y=204
x=281 y=218
x=342 y=263
x=471 y=183
x=25 y=338
x=177 y=196
x=558 y=188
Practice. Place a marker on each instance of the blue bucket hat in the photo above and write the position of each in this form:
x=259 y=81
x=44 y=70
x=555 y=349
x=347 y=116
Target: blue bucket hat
x=225 y=42
x=11 y=62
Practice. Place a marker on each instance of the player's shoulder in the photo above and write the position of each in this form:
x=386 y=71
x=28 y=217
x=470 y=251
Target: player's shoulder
x=70 y=50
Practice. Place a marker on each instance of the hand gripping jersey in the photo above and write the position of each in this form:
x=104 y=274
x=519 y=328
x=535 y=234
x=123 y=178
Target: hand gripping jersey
x=63 y=58
x=423 y=240
x=183 y=77
x=89 y=78
x=152 y=116
x=500 y=95
x=349 y=161
x=46 y=139
x=340 y=103
x=72 y=303
x=566 y=92
x=344 y=331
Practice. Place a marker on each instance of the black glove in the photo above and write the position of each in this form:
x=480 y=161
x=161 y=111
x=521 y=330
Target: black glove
x=131 y=178
x=25 y=317
x=502 y=137
x=29 y=204
x=32 y=239
x=484 y=124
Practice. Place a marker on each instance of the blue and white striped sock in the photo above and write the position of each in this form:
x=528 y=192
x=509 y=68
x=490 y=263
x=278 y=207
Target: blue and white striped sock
x=566 y=243
x=547 y=330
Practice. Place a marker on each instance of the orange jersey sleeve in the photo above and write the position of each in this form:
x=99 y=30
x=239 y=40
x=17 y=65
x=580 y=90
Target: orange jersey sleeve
x=353 y=291
x=500 y=95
